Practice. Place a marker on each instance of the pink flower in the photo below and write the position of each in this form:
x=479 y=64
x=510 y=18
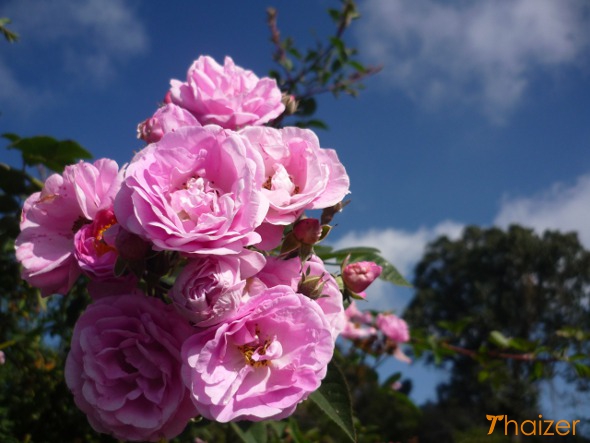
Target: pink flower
x=168 y=118
x=124 y=368
x=358 y=276
x=197 y=190
x=209 y=289
x=227 y=95
x=51 y=218
x=298 y=173
x=358 y=324
x=94 y=248
x=289 y=272
x=393 y=327
x=262 y=364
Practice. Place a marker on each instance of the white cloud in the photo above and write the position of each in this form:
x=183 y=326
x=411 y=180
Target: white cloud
x=401 y=248
x=86 y=39
x=564 y=208
x=472 y=52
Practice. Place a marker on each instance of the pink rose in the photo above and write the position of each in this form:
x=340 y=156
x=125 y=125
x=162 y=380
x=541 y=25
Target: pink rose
x=94 y=247
x=124 y=368
x=298 y=173
x=289 y=272
x=393 y=327
x=262 y=364
x=358 y=276
x=197 y=190
x=168 y=118
x=227 y=95
x=358 y=324
x=209 y=289
x=51 y=218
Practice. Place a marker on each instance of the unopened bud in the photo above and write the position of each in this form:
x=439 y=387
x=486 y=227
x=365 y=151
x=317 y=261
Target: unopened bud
x=358 y=276
x=308 y=231
x=291 y=104
x=311 y=287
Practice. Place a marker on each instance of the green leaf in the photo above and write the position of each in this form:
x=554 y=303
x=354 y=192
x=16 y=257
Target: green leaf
x=307 y=106
x=54 y=154
x=10 y=36
x=497 y=338
x=295 y=432
x=335 y=14
x=244 y=436
x=311 y=124
x=333 y=398
x=11 y=136
x=582 y=370
x=357 y=66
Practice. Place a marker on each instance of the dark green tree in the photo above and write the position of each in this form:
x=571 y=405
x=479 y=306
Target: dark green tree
x=502 y=309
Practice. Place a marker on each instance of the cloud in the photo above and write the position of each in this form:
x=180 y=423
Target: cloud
x=475 y=53
x=401 y=248
x=562 y=207
x=85 y=41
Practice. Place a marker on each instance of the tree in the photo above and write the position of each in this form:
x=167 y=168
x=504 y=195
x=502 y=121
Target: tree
x=502 y=308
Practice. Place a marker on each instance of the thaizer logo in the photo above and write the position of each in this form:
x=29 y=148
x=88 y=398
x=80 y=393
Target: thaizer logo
x=531 y=427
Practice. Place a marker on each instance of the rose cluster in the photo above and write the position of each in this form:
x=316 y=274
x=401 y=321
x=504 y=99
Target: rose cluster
x=207 y=297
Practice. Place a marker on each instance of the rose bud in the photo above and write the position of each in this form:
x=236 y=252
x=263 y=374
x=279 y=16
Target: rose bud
x=308 y=231
x=358 y=276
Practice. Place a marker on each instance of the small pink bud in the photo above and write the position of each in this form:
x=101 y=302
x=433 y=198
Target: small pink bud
x=2 y=358
x=168 y=98
x=308 y=231
x=290 y=103
x=358 y=276
x=393 y=327
x=149 y=130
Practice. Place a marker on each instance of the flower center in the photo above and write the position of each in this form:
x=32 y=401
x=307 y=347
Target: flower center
x=104 y=220
x=196 y=196
x=259 y=353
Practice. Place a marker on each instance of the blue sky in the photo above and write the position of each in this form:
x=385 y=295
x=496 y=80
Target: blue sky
x=480 y=116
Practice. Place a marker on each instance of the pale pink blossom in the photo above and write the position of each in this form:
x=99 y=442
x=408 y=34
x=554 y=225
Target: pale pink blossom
x=197 y=191
x=263 y=363
x=358 y=324
x=228 y=95
x=393 y=327
x=167 y=118
x=209 y=289
x=358 y=276
x=299 y=174
x=124 y=368
x=290 y=272
x=51 y=218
